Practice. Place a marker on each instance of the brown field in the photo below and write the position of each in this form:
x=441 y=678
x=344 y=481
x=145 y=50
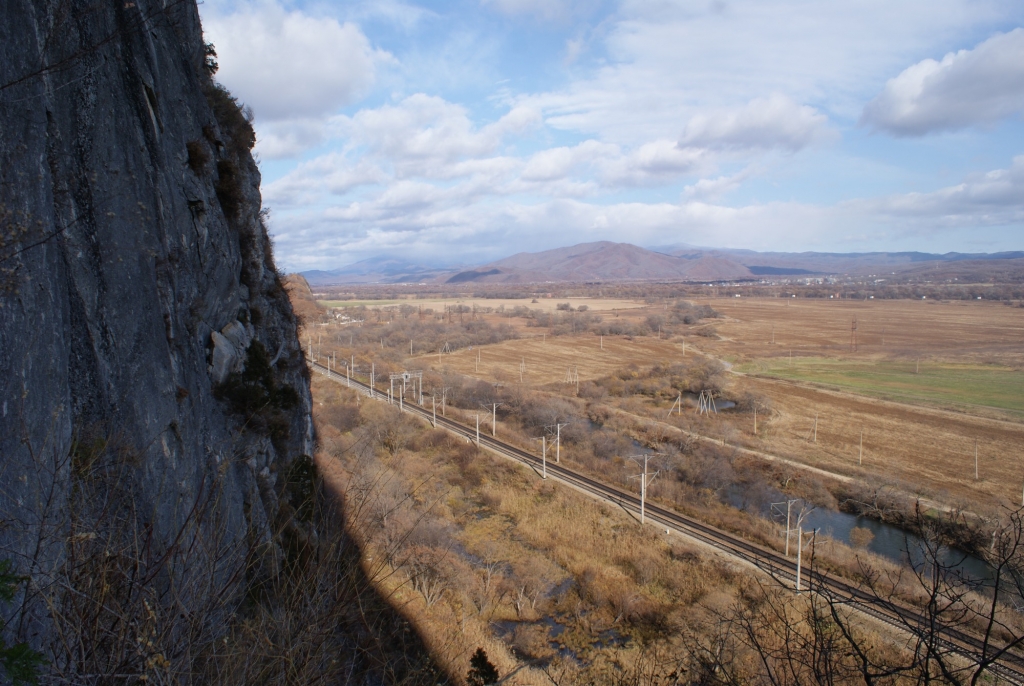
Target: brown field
x=547 y=358
x=931 y=451
x=925 y=447
x=543 y=304
x=965 y=331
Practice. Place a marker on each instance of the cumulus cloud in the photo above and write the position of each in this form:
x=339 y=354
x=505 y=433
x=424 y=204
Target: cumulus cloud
x=289 y=64
x=966 y=88
x=763 y=123
x=425 y=134
x=993 y=198
x=560 y=162
x=428 y=220
x=712 y=189
x=288 y=138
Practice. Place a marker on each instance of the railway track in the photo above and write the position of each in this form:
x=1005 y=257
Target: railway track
x=1009 y=667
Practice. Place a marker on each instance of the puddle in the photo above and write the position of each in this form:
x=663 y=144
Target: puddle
x=608 y=638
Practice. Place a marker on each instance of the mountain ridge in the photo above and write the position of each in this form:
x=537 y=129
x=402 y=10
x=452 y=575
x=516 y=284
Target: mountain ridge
x=608 y=261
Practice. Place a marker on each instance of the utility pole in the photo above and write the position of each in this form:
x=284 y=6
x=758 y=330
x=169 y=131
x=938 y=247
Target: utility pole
x=477 y=429
x=602 y=342
x=815 y=427
x=433 y=407
x=558 y=439
x=644 y=482
x=494 y=416
x=975 y=459
x=755 y=419
x=799 y=550
x=544 y=456
x=799 y=554
x=372 y=372
x=789 y=518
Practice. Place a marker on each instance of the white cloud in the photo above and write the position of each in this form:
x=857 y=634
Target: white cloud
x=426 y=221
x=290 y=64
x=966 y=88
x=763 y=123
x=423 y=134
x=713 y=189
x=658 y=63
x=993 y=198
x=560 y=162
x=288 y=138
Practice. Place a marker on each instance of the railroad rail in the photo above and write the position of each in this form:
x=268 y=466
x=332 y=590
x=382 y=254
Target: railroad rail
x=1009 y=666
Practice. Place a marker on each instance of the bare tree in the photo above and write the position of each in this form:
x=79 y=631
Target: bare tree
x=953 y=627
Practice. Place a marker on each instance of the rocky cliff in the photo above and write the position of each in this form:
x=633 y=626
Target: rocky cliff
x=154 y=403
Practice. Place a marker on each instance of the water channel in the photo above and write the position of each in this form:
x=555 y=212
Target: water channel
x=893 y=542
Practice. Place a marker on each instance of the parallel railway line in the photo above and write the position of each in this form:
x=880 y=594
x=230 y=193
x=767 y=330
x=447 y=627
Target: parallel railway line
x=1010 y=666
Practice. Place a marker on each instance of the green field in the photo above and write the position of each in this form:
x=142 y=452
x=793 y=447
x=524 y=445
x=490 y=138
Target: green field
x=359 y=303
x=936 y=383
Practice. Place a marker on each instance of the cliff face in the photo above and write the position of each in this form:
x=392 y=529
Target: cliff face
x=153 y=396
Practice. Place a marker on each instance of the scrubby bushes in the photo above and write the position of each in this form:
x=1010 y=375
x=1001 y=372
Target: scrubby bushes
x=256 y=394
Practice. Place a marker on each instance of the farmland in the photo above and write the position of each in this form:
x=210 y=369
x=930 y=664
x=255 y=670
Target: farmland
x=960 y=386
x=946 y=376
x=546 y=360
x=864 y=430
x=495 y=304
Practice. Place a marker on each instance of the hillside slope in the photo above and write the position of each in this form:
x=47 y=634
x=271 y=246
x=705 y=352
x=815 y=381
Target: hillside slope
x=602 y=261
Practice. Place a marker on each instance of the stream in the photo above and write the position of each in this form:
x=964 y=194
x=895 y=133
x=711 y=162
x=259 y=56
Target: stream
x=893 y=543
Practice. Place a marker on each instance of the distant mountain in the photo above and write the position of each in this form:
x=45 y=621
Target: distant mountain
x=602 y=261
x=781 y=263
x=380 y=269
x=606 y=261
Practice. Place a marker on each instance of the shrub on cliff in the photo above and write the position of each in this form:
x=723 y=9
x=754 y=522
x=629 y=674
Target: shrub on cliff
x=235 y=120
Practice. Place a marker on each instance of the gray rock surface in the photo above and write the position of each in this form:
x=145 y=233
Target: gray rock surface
x=135 y=276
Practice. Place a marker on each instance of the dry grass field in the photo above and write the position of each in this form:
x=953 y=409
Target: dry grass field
x=962 y=331
x=543 y=304
x=547 y=359
x=928 y=450
x=478 y=552
x=919 y=428
x=971 y=360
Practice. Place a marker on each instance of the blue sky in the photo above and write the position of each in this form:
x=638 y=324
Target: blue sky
x=459 y=132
